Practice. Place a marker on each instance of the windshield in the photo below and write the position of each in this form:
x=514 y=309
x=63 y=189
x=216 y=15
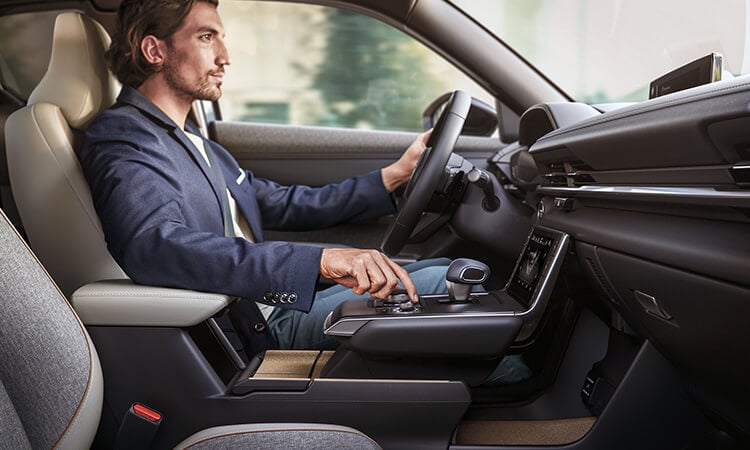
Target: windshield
x=610 y=50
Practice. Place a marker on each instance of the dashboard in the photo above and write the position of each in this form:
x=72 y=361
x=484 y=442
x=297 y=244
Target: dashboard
x=655 y=197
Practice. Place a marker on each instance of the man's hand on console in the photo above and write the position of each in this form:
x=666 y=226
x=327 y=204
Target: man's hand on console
x=365 y=271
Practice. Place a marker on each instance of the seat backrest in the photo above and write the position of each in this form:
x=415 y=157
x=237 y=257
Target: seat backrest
x=42 y=140
x=51 y=388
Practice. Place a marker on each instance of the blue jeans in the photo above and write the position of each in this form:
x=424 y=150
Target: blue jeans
x=296 y=330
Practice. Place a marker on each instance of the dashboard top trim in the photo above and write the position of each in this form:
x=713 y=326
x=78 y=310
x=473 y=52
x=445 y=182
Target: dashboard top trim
x=705 y=195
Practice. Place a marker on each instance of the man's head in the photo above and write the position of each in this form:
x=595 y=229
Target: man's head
x=179 y=40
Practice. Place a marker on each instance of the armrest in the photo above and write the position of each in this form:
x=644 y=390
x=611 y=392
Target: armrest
x=123 y=303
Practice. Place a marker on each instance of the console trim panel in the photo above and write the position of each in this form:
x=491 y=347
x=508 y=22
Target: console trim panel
x=507 y=306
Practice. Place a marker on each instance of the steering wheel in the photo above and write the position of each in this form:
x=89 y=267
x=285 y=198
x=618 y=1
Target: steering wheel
x=428 y=172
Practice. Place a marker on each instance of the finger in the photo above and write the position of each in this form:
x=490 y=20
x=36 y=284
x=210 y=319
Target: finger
x=378 y=278
x=359 y=272
x=389 y=279
x=347 y=281
x=406 y=280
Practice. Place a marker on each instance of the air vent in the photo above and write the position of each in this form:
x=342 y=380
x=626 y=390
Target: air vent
x=567 y=173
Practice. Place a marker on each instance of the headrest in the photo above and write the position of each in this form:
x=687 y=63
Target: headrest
x=77 y=79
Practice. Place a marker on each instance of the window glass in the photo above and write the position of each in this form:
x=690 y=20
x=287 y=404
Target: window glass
x=610 y=50
x=25 y=50
x=313 y=65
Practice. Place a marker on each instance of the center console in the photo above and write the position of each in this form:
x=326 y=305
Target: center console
x=401 y=359
x=460 y=335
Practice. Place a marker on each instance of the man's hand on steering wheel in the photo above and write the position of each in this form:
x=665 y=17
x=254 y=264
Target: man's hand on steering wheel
x=400 y=171
x=428 y=172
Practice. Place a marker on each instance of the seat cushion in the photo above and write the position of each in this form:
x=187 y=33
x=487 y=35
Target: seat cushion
x=279 y=435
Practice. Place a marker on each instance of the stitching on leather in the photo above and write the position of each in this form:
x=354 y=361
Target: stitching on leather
x=218 y=297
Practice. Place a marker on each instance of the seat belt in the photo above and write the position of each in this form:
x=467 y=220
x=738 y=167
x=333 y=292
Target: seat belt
x=138 y=428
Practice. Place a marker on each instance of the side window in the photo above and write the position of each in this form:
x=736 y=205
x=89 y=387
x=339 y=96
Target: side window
x=312 y=65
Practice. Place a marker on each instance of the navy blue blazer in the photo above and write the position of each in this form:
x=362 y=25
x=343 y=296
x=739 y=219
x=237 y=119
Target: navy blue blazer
x=162 y=218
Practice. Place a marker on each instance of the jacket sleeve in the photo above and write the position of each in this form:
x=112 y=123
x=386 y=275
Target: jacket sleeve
x=141 y=205
x=306 y=208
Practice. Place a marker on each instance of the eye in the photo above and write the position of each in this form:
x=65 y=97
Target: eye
x=206 y=37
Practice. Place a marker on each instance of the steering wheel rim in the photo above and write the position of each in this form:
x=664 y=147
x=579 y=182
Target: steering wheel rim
x=427 y=173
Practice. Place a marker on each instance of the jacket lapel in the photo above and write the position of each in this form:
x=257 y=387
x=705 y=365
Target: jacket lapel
x=246 y=201
x=182 y=138
x=132 y=97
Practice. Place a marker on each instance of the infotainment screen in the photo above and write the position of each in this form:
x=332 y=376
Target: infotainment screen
x=701 y=71
x=530 y=267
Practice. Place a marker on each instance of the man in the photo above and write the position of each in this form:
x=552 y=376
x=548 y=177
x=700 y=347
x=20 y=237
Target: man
x=178 y=211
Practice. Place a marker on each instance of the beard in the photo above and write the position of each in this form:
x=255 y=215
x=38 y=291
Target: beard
x=202 y=89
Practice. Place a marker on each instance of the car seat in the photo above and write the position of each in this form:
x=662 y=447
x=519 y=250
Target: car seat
x=51 y=383
x=42 y=138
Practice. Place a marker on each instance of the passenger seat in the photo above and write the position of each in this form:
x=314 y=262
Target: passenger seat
x=51 y=383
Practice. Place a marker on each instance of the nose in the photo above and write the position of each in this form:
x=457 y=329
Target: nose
x=222 y=55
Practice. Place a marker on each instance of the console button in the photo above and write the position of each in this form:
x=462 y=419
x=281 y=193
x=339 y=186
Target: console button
x=406 y=306
x=398 y=298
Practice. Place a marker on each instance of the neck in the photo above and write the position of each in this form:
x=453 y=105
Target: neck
x=175 y=106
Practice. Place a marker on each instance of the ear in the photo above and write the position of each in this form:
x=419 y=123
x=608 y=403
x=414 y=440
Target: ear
x=154 y=50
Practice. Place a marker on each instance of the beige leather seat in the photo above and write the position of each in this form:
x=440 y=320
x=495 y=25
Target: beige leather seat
x=53 y=198
x=43 y=339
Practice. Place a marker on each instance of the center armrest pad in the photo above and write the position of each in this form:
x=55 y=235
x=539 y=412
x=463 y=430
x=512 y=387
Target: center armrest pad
x=123 y=303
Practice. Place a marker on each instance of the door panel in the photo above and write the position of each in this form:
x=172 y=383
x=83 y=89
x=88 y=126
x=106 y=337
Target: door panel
x=315 y=156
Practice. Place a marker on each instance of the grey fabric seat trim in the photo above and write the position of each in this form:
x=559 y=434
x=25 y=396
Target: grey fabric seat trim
x=279 y=435
x=52 y=378
x=14 y=435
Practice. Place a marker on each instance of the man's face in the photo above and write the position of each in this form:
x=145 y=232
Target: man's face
x=197 y=54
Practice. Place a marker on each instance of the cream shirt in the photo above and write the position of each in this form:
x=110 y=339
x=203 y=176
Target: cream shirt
x=241 y=228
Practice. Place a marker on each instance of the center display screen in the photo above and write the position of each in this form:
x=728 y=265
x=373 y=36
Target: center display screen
x=530 y=268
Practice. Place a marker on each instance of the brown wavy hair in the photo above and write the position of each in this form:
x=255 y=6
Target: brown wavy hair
x=137 y=19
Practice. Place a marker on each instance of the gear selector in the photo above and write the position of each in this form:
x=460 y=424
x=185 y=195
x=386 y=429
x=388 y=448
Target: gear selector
x=462 y=275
